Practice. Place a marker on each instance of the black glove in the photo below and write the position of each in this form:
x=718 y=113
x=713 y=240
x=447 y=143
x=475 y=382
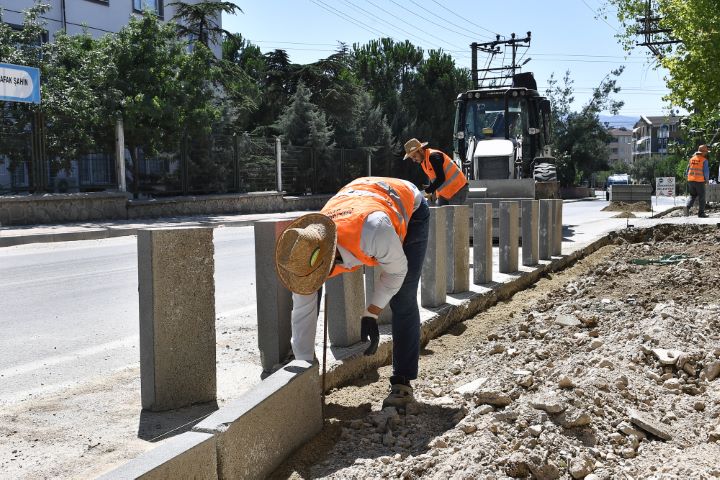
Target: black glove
x=369 y=332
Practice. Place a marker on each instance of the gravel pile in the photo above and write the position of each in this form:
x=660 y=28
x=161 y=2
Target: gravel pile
x=612 y=373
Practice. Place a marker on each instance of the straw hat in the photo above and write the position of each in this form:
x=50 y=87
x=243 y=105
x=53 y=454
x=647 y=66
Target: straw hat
x=703 y=149
x=305 y=253
x=412 y=145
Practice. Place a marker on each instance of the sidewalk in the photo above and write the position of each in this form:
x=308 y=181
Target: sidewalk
x=24 y=234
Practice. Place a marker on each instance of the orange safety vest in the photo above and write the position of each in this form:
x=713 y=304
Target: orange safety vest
x=354 y=202
x=696 y=173
x=454 y=178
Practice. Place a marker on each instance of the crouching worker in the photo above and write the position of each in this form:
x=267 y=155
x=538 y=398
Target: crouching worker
x=374 y=221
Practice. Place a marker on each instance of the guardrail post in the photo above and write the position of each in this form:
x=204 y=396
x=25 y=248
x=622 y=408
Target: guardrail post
x=530 y=232
x=545 y=229
x=345 y=304
x=274 y=301
x=278 y=163
x=458 y=248
x=508 y=245
x=557 y=227
x=482 y=243
x=177 y=317
x=434 y=276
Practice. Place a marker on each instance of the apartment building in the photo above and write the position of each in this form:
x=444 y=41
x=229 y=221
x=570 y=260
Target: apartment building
x=97 y=17
x=621 y=146
x=651 y=135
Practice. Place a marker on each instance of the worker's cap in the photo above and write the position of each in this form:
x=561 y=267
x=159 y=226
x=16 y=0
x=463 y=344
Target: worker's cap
x=305 y=253
x=703 y=149
x=413 y=145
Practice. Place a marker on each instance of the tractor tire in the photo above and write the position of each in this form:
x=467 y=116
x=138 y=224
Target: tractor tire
x=545 y=172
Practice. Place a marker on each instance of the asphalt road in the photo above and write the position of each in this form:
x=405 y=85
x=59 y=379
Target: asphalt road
x=69 y=311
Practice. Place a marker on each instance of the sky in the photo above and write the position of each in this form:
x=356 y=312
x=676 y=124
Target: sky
x=566 y=35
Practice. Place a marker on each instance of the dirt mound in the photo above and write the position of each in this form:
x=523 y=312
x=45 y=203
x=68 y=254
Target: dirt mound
x=627 y=207
x=625 y=215
x=608 y=368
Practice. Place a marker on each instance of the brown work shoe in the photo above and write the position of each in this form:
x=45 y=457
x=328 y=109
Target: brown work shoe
x=400 y=396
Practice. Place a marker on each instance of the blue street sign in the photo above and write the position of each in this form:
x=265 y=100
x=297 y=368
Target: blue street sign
x=19 y=84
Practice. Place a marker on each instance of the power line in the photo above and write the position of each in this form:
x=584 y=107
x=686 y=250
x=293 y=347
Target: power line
x=423 y=18
x=460 y=16
x=380 y=19
x=595 y=13
x=473 y=35
x=402 y=20
x=346 y=17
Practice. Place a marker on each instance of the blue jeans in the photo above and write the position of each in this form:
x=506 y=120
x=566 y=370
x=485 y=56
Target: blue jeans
x=404 y=305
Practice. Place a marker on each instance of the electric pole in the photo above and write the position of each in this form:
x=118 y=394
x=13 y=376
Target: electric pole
x=505 y=73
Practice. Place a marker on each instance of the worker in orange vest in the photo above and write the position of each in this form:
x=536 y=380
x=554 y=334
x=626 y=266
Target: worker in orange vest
x=446 y=178
x=374 y=221
x=698 y=174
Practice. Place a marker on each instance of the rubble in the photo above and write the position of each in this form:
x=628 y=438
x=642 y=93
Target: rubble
x=608 y=370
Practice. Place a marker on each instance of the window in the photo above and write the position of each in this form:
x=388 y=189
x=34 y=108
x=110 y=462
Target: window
x=154 y=5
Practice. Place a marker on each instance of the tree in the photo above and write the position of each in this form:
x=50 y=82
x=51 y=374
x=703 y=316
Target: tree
x=73 y=102
x=200 y=20
x=693 y=63
x=431 y=97
x=303 y=124
x=580 y=139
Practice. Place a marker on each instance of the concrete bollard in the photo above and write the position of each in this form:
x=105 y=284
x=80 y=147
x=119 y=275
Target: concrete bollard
x=545 y=229
x=530 y=232
x=176 y=288
x=346 y=304
x=508 y=239
x=274 y=301
x=372 y=274
x=482 y=243
x=458 y=248
x=557 y=228
x=434 y=276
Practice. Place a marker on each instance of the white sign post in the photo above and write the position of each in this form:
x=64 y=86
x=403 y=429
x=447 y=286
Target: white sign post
x=665 y=187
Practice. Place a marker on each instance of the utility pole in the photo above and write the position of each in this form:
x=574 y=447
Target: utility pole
x=650 y=28
x=505 y=73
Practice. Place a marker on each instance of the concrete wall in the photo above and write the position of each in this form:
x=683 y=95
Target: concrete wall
x=62 y=208
x=80 y=207
x=630 y=193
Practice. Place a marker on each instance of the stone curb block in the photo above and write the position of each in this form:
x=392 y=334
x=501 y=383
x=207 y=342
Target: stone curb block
x=189 y=455
x=256 y=433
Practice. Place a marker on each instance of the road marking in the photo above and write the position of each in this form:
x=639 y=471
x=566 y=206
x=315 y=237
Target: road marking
x=126 y=342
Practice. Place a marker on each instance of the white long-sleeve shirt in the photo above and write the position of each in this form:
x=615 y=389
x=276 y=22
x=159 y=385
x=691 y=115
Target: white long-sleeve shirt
x=379 y=240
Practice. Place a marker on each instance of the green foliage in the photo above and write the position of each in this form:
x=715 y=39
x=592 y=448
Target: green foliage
x=693 y=63
x=303 y=124
x=580 y=139
x=647 y=168
x=431 y=98
x=200 y=20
